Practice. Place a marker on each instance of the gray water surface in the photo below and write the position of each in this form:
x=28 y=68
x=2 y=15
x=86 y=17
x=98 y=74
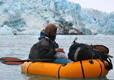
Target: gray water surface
x=19 y=46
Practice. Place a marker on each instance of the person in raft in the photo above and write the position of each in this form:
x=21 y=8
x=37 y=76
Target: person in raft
x=47 y=48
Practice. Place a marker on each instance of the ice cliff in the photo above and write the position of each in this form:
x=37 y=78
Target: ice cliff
x=31 y=16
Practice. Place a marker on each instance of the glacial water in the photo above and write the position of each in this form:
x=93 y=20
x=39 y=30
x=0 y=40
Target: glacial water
x=19 y=46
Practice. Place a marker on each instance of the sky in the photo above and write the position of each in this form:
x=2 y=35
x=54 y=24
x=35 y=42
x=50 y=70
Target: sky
x=101 y=5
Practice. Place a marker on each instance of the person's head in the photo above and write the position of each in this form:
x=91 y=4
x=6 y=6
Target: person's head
x=50 y=31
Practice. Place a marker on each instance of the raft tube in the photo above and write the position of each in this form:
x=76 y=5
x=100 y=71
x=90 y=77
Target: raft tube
x=81 y=69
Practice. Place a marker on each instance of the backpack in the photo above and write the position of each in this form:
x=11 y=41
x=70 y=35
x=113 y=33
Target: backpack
x=80 y=51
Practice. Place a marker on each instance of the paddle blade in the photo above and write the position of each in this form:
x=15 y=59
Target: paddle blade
x=101 y=48
x=16 y=61
x=11 y=61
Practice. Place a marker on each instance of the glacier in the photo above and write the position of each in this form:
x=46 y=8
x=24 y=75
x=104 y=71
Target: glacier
x=21 y=17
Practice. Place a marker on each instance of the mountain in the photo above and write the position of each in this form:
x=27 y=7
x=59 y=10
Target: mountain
x=31 y=16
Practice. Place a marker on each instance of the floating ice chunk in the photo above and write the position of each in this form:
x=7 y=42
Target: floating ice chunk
x=5 y=30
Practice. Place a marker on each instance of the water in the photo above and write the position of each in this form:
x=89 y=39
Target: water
x=19 y=46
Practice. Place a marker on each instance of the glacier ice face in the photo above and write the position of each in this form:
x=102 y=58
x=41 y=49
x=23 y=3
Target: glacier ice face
x=31 y=16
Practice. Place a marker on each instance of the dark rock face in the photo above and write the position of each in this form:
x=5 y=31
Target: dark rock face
x=66 y=28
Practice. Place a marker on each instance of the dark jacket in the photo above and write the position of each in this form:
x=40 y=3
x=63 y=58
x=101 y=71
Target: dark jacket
x=44 y=49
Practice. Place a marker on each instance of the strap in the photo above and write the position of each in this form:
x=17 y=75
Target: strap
x=28 y=67
x=60 y=68
x=109 y=66
x=100 y=67
x=82 y=69
x=76 y=53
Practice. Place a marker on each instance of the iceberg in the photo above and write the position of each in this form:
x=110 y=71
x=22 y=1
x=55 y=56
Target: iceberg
x=31 y=16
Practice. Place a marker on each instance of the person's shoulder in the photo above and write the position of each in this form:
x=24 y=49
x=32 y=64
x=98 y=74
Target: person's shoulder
x=44 y=41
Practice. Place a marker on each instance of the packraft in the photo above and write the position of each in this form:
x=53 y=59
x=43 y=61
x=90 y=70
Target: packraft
x=79 y=69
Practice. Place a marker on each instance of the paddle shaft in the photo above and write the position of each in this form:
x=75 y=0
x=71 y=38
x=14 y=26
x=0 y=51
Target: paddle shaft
x=16 y=61
x=33 y=60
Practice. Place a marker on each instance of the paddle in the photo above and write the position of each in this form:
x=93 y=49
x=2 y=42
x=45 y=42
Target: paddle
x=17 y=61
x=101 y=48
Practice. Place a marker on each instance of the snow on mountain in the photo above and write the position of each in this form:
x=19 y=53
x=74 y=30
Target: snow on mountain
x=31 y=16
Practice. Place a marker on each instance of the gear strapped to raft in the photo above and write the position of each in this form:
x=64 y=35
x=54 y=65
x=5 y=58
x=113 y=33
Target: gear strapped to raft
x=80 y=51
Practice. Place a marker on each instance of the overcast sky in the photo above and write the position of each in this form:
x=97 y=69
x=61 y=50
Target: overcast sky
x=102 y=5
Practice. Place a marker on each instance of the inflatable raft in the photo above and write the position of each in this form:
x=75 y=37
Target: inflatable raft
x=79 y=69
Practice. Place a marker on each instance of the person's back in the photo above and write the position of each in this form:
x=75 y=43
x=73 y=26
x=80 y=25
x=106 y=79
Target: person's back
x=43 y=50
